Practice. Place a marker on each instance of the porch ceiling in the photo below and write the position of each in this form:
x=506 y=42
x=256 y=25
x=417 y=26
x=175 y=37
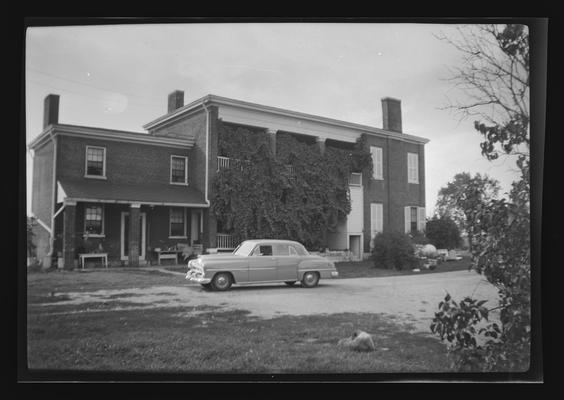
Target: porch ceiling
x=106 y=192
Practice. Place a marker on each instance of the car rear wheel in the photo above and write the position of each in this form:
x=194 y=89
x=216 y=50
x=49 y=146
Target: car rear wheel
x=222 y=281
x=290 y=283
x=310 y=279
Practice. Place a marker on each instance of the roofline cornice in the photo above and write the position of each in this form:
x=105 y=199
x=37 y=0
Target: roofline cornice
x=108 y=134
x=218 y=100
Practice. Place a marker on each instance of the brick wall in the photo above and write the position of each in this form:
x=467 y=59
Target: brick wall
x=193 y=126
x=42 y=191
x=126 y=162
x=394 y=192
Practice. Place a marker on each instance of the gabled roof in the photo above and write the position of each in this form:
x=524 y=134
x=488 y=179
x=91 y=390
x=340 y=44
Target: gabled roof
x=212 y=99
x=146 y=193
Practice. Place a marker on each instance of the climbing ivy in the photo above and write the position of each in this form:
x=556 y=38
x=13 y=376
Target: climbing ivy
x=258 y=196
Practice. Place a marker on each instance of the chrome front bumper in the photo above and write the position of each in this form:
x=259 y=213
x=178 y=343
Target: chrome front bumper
x=197 y=276
x=334 y=274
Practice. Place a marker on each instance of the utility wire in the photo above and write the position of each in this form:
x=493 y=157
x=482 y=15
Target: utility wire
x=90 y=86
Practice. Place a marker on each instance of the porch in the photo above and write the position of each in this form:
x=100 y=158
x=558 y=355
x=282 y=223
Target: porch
x=129 y=232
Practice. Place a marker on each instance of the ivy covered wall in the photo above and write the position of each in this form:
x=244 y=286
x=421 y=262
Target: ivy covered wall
x=260 y=197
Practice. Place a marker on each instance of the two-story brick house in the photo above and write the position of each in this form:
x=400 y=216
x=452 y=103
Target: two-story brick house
x=132 y=192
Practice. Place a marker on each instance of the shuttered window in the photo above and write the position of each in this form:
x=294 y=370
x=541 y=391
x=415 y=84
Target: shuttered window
x=415 y=219
x=377 y=162
x=376 y=219
x=412 y=168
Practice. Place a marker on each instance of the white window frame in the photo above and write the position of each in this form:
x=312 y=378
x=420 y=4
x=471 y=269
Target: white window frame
x=184 y=214
x=86 y=175
x=376 y=226
x=356 y=184
x=185 y=183
x=412 y=168
x=377 y=162
x=94 y=235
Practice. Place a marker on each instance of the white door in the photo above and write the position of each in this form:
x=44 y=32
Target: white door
x=125 y=236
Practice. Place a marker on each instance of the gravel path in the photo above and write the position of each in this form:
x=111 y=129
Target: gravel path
x=409 y=299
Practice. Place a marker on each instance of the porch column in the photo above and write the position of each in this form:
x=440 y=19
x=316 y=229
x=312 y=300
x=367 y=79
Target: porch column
x=69 y=234
x=272 y=139
x=210 y=229
x=134 y=230
x=321 y=144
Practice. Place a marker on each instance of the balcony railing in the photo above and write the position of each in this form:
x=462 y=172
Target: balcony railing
x=225 y=241
x=222 y=162
x=226 y=162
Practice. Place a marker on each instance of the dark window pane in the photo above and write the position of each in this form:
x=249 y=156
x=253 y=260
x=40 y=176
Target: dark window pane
x=93 y=220
x=178 y=170
x=95 y=162
x=265 y=250
x=176 y=222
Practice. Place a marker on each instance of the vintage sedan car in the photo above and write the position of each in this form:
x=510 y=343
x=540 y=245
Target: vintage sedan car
x=260 y=261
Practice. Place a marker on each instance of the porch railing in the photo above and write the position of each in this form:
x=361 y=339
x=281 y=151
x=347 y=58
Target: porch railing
x=225 y=241
x=226 y=162
x=222 y=162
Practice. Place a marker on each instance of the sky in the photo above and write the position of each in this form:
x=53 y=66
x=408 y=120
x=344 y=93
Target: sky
x=119 y=77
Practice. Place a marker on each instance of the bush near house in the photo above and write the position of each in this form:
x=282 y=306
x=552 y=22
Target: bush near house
x=393 y=250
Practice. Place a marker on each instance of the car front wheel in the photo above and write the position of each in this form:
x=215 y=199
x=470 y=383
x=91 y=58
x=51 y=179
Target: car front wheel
x=310 y=279
x=222 y=281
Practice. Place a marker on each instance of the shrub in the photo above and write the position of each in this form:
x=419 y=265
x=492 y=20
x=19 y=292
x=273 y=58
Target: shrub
x=443 y=232
x=393 y=250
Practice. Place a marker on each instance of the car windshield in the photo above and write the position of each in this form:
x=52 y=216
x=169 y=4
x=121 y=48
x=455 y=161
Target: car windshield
x=244 y=249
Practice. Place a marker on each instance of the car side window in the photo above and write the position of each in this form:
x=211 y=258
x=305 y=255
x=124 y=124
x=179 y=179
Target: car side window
x=299 y=250
x=293 y=251
x=281 y=250
x=262 y=251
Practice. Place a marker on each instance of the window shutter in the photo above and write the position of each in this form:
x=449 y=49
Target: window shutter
x=376 y=219
x=407 y=217
x=421 y=222
x=412 y=167
x=377 y=171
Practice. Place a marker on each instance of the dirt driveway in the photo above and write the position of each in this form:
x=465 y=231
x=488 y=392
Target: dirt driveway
x=409 y=299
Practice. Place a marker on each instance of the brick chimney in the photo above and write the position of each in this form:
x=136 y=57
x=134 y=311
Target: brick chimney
x=50 y=110
x=391 y=112
x=175 y=100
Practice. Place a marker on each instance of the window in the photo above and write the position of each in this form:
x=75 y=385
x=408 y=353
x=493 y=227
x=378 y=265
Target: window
x=179 y=170
x=94 y=220
x=414 y=219
x=281 y=250
x=299 y=249
x=177 y=223
x=355 y=179
x=377 y=162
x=412 y=168
x=262 y=251
x=376 y=218
x=95 y=162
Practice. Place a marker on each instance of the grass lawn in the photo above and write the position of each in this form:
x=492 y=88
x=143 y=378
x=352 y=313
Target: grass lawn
x=175 y=340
